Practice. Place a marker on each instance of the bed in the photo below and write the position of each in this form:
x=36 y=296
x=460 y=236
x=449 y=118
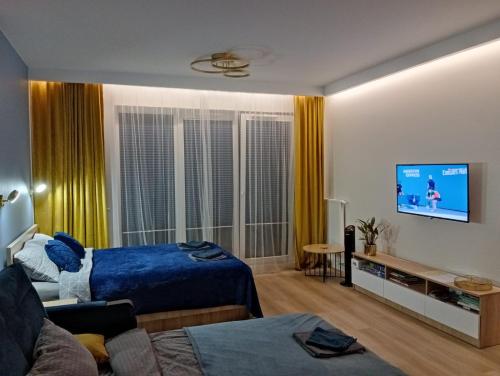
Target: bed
x=252 y=347
x=169 y=290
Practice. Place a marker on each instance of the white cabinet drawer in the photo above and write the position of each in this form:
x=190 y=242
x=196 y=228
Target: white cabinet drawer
x=404 y=296
x=454 y=317
x=368 y=281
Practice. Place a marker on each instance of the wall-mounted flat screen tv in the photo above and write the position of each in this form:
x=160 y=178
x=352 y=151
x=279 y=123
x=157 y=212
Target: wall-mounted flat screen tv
x=433 y=190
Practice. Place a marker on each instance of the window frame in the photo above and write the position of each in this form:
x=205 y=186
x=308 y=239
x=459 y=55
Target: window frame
x=264 y=260
x=239 y=119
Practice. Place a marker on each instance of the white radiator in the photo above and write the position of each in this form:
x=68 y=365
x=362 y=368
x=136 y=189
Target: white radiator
x=335 y=212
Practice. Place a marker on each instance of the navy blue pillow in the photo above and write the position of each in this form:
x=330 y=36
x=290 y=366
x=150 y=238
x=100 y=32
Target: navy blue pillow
x=63 y=256
x=71 y=242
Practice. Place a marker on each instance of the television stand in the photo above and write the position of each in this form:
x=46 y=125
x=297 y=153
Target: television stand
x=430 y=295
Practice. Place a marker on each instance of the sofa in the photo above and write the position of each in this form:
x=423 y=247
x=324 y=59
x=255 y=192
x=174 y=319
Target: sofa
x=22 y=316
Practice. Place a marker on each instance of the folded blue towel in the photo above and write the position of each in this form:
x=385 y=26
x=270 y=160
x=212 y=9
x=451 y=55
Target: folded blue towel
x=330 y=340
x=207 y=254
x=302 y=337
x=195 y=244
x=197 y=259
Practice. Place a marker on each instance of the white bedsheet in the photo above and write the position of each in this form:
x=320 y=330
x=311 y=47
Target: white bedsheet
x=77 y=285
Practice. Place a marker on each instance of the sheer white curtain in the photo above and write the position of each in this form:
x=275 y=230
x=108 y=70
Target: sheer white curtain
x=200 y=165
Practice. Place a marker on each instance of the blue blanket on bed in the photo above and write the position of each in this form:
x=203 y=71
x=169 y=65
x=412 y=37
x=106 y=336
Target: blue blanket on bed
x=264 y=347
x=163 y=277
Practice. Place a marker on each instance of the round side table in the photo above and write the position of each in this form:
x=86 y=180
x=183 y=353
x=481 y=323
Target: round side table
x=327 y=253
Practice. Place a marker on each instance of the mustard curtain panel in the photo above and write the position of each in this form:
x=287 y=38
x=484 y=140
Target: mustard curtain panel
x=68 y=155
x=309 y=209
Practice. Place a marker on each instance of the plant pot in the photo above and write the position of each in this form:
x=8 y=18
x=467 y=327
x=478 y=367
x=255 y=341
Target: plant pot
x=370 y=249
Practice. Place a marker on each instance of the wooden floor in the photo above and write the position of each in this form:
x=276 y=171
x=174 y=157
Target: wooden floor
x=405 y=342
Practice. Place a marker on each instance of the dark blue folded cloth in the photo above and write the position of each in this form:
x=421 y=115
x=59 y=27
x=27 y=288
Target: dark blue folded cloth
x=207 y=254
x=195 y=244
x=330 y=340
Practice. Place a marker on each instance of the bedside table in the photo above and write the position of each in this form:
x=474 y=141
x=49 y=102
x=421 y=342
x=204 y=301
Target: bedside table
x=60 y=302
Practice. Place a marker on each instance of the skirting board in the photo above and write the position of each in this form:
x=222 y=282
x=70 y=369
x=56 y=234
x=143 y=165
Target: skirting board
x=426 y=320
x=161 y=321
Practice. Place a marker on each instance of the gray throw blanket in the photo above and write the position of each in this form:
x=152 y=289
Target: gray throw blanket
x=267 y=347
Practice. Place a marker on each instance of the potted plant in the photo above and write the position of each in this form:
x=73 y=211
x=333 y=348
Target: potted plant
x=370 y=233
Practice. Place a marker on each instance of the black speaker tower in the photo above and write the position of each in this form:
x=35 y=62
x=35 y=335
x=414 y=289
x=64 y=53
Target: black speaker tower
x=349 y=248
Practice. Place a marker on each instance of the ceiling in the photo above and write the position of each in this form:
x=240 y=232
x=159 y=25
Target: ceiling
x=310 y=43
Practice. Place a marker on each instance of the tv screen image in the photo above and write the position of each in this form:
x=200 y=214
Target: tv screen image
x=433 y=190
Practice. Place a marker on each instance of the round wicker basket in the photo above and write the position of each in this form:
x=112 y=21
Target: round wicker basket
x=473 y=283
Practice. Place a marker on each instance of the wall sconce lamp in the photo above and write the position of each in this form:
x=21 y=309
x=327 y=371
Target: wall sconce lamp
x=11 y=198
x=40 y=188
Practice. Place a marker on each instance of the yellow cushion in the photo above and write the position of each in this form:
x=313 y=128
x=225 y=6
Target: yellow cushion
x=95 y=344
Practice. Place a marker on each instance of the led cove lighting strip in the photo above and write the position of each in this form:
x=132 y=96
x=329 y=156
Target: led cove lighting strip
x=446 y=59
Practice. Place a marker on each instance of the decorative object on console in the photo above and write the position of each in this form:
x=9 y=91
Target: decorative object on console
x=473 y=283
x=389 y=236
x=370 y=233
x=11 y=198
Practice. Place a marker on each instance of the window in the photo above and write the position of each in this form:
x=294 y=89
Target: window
x=209 y=187
x=266 y=159
x=222 y=176
x=147 y=178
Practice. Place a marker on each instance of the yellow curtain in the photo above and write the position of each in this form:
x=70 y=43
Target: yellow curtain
x=68 y=155
x=309 y=209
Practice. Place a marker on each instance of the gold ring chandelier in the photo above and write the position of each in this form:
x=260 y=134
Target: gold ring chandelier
x=226 y=63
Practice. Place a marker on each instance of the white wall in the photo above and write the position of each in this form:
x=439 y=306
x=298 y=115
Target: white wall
x=444 y=111
x=15 y=166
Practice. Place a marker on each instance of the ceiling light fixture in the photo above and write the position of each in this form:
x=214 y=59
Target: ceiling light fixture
x=226 y=63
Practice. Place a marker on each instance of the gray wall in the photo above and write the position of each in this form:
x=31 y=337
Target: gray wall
x=444 y=111
x=15 y=170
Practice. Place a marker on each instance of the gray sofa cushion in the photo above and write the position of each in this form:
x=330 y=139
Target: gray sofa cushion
x=58 y=353
x=131 y=354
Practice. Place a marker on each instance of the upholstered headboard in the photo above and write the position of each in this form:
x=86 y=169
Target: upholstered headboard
x=18 y=243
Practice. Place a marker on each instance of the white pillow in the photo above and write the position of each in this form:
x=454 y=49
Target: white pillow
x=41 y=239
x=35 y=261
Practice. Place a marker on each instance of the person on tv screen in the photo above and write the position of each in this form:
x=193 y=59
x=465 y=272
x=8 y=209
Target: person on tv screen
x=399 y=190
x=431 y=184
x=433 y=196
